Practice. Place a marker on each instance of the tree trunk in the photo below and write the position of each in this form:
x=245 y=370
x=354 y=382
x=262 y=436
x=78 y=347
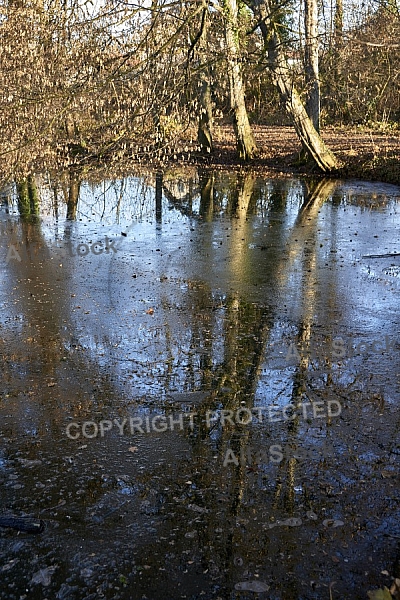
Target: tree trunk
x=73 y=195
x=245 y=143
x=309 y=137
x=204 y=132
x=338 y=24
x=205 y=129
x=311 y=62
x=155 y=109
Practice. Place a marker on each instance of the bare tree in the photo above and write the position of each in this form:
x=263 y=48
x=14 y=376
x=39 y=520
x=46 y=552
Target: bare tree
x=245 y=142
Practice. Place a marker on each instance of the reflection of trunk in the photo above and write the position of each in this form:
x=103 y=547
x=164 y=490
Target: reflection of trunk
x=159 y=182
x=246 y=145
x=38 y=272
x=73 y=196
x=245 y=189
x=317 y=194
x=239 y=259
x=303 y=235
x=6 y=195
x=311 y=62
x=309 y=137
x=241 y=329
x=305 y=223
x=28 y=197
x=206 y=181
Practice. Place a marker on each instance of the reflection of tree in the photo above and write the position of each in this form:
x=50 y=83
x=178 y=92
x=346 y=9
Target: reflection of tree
x=179 y=192
x=73 y=195
x=40 y=300
x=28 y=197
x=40 y=288
x=6 y=194
x=233 y=380
x=159 y=184
x=227 y=337
x=302 y=242
x=304 y=230
x=206 y=181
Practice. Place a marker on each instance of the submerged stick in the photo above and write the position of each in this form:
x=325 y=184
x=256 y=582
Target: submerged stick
x=381 y=255
x=23 y=524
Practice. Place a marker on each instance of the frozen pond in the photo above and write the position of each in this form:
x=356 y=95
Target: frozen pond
x=200 y=388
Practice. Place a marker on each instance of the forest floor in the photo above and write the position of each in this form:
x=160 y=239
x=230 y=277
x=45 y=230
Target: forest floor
x=364 y=154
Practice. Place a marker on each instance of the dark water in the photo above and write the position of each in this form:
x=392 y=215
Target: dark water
x=200 y=389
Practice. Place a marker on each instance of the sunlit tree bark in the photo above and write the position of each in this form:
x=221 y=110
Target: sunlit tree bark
x=309 y=137
x=28 y=197
x=246 y=145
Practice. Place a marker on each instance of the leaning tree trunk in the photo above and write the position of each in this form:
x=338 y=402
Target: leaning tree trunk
x=311 y=62
x=309 y=137
x=245 y=143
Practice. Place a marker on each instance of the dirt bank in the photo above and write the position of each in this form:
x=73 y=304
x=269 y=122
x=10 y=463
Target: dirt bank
x=365 y=154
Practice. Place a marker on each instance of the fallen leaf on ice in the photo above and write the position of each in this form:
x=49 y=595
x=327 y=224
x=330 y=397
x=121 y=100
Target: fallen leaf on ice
x=198 y=509
x=311 y=515
x=43 y=576
x=252 y=586
x=332 y=523
x=291 y=522
x=386 y=474
x=9 y=565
